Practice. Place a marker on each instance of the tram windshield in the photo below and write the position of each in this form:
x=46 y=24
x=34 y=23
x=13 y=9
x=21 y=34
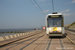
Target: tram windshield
x=54 y=22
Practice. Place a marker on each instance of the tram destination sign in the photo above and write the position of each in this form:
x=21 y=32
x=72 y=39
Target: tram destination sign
x=55 y=16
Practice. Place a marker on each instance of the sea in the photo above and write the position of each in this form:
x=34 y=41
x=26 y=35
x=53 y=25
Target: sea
x=9 y=30
x=13 y=30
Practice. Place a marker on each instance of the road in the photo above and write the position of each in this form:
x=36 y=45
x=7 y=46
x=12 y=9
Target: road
x=40 y=42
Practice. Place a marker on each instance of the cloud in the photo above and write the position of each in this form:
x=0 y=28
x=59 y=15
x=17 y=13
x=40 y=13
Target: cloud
x=35 y=5
x=69 y=14
x=46 y=4
x=65 y=11
x=66 y=14
x=73 y=1
x=42 y=0
x=46 y=11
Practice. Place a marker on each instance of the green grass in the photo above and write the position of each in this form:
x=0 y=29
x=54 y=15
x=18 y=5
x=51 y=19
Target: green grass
x=72 y=25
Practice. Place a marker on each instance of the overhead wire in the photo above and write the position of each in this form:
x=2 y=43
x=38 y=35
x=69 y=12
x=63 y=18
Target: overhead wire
x=53 y=5
x=34 y=5
x=39 y=7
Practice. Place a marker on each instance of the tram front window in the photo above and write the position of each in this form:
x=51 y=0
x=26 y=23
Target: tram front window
x=54 y=22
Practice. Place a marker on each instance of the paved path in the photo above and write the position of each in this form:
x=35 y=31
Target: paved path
x=40 y=42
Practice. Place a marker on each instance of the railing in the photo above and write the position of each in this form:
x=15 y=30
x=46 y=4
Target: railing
x=73 y=30
x=7 y=36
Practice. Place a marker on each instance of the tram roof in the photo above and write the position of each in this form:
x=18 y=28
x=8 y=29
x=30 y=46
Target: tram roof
x=55 y=14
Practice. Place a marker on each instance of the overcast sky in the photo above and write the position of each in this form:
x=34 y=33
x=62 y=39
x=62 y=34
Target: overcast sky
x=23 y=14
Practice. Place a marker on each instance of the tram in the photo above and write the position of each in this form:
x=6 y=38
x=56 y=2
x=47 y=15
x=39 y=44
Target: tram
x=55 y=24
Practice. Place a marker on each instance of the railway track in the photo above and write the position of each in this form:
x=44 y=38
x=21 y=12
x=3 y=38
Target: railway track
x=40 y=42
x=58 y=44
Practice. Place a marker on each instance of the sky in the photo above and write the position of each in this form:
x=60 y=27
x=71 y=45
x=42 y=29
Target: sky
x=16 y=14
